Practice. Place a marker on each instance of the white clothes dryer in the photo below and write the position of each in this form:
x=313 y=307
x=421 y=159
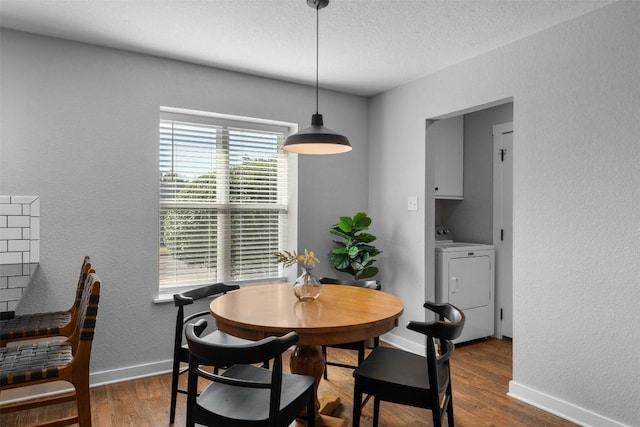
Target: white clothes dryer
x=465 y=277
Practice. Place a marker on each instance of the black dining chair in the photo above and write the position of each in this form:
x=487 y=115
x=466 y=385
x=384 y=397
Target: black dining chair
x=397 y=376
x=180 y=350
x=359 y=346
x=245 y=394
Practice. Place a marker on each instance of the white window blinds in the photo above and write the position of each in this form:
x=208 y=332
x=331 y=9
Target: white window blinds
x=223 y=200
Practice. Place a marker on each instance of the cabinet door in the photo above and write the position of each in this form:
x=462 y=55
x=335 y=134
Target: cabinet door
x=448 y=140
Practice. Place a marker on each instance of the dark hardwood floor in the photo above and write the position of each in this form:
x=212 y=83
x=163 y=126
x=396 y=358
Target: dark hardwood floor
x=481 y=373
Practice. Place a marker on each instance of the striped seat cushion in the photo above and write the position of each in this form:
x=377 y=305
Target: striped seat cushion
x=33 y=361
x=34 y=325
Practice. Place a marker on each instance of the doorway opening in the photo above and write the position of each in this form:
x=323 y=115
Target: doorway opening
x=471 y=214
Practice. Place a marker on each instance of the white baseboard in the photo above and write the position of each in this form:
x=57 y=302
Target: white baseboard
x=130 y=373
x=404 y=343
x=566 y=410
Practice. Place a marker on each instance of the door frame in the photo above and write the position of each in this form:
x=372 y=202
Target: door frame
x=498 y=226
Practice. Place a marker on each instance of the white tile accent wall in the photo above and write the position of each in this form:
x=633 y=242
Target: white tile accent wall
x=19 y=246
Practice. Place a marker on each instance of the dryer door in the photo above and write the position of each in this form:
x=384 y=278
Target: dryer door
x=470 y=281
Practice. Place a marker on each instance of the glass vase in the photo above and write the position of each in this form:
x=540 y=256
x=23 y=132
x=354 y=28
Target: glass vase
x=307 y=286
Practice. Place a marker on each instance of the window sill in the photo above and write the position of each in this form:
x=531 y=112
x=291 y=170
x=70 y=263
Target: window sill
x=167 y=296
x=163 y=298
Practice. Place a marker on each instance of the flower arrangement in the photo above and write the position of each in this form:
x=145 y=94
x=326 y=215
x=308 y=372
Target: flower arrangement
x=307 y=260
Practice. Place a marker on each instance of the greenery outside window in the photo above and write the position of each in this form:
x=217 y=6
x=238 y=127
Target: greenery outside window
x=223 y=200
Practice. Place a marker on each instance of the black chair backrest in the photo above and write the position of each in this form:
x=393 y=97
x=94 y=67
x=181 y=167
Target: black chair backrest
x=203 y=352
x=243 y=354
x=447 y=327
x=188 y=297
x=370 y=284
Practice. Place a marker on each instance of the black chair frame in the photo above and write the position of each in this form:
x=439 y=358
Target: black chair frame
x=397 y=376
x=180 y=351
x=288 y=396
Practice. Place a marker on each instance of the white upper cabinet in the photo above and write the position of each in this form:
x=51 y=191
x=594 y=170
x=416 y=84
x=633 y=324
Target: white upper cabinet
x=448 y=141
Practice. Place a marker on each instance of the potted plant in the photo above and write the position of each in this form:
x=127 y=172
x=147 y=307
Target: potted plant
x=354 y=254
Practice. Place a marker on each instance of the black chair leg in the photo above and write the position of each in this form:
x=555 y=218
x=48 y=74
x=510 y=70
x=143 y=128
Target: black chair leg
x=174 y=390
x=376 y=411
x=324 y=357
x=361 y=353
x=357 y=403
x=450 y=410
x=311 y=411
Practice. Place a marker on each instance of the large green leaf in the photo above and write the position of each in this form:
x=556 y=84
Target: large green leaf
x=360 y=221
x=365 y=237
x=345 y=224
x=340 y=251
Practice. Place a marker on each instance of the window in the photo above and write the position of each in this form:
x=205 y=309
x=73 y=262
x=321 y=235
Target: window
x=223 y=200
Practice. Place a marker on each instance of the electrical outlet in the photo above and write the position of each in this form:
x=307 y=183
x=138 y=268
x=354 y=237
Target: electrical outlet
x=412 y=203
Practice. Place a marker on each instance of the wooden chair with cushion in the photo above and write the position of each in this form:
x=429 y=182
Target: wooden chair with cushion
x=398 y=376
x=44 y=325
x=47 y=361
x=180 y=350
x=246 y=394
x=358 y=346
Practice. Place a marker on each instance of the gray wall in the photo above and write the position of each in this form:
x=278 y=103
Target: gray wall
x=576 y=100
x=79 y=128
x=471 y=219
x=576 y=96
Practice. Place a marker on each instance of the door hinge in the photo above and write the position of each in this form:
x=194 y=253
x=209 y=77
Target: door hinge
x=500 y=314
x=501 y=234
x=502 y=151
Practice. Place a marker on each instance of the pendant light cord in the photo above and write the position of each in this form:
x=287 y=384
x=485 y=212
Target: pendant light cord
x=317 y=50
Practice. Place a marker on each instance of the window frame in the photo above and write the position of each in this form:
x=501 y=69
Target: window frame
x=165 y=293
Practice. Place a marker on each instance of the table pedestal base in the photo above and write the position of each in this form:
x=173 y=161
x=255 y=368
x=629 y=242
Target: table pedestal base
x=308 y=360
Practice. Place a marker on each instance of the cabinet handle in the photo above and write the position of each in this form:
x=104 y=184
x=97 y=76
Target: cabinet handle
x=436 y=188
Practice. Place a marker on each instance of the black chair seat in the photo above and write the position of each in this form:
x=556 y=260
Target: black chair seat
x=33 y=361
x=389 y=373
x=253 y=404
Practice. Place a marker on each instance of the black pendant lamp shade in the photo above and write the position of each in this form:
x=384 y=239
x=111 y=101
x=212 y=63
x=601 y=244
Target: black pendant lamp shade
x=317 y=139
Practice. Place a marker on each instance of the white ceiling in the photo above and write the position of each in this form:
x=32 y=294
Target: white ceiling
x=366 y=46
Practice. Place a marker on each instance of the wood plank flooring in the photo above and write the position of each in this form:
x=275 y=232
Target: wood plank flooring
x=481 y=372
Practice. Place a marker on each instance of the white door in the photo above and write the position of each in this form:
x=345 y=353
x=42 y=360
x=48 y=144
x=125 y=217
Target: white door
x=503 y=226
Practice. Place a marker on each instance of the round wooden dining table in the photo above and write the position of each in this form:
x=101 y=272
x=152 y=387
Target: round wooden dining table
x=341 y=314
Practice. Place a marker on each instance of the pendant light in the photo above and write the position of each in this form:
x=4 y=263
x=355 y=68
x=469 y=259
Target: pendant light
x=317 y=139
